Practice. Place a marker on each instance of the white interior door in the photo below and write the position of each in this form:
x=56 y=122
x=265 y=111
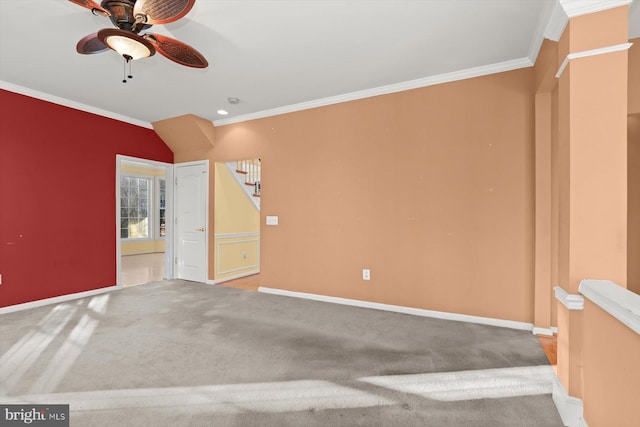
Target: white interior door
x=191 y=197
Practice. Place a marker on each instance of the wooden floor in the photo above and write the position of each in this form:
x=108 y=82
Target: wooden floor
x=550 y=347
x=143 y=268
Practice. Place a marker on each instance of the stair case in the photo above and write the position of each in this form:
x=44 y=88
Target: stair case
x=247 y=174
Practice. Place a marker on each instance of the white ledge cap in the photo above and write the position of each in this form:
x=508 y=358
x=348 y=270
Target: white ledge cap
x=571 y=301
x=619 y=302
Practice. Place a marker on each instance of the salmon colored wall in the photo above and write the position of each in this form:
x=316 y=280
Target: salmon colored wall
x=555 y=200
x=633 y=212
x=546 y=67
x=597 y=30
x=194 y=134
x=431 y=189
x=57 y=196
x=563 y=343
x=598 y=240
x=542 y=257
x=593 y=179
x=546 y=206
x=592 y=174
x=610 y=372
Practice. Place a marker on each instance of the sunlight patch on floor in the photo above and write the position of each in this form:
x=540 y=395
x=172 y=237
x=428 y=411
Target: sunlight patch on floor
x=71 y=348
x=284 y=396
x=471 y=385
x=24 y=355
x=303 y=395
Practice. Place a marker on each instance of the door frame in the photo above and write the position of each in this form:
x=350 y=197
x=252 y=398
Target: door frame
x=206 y=215
x=169 y=215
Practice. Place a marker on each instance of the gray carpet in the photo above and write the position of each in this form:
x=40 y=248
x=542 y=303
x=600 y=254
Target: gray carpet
x=179 y=353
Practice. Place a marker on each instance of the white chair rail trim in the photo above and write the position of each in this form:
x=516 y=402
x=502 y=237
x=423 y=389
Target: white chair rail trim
x=591 y=52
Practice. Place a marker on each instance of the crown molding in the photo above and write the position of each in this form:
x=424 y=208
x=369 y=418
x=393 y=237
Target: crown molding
x=558 y=21
x=564 y=10
x=619 y=302
x=383 y=90
x=584 y=7
x=11 y=87
x=548 y=11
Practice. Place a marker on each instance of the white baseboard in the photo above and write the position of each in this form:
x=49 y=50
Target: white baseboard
x=570 y=408
x=57 y=300
x=543 y=331
x=237 y=276
x=401 y=309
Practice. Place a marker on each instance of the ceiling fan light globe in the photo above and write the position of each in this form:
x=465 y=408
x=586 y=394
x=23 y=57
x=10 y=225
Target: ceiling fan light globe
x=126 y=46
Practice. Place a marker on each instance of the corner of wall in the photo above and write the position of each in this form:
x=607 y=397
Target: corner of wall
x=186 y=134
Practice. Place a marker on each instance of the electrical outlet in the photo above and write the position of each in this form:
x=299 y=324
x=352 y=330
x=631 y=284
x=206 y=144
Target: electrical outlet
x=272 y=220
x=366 y=274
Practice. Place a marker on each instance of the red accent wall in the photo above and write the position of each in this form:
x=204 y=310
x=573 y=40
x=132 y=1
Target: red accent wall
x=57 y=196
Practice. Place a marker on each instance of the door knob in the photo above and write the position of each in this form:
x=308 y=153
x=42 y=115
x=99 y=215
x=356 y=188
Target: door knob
x=200 y=229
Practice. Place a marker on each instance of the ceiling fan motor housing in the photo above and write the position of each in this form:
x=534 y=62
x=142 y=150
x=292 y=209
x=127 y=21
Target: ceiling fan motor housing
x=123 y=16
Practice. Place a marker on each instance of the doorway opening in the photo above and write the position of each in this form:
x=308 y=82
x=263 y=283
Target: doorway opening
x=144 y=244
x=237 y=201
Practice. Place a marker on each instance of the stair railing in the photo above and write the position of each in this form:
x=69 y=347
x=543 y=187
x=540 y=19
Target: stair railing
x=251 y=169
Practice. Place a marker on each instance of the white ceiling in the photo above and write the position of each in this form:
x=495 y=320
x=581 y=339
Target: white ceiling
x=274 y=56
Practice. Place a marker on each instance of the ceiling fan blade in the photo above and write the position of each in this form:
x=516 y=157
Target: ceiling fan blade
x=91 y=44
x=92 y=6
x=162 y=11
x=177 y=51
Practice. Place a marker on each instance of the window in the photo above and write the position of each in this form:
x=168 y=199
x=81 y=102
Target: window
x=142 y=206
x=135 y=199
x=162 y=205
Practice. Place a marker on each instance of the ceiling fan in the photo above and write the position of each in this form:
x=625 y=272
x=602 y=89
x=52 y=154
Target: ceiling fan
x=130 y=17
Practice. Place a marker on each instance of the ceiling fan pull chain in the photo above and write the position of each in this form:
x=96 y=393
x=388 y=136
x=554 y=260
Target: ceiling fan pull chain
x=125 y=76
